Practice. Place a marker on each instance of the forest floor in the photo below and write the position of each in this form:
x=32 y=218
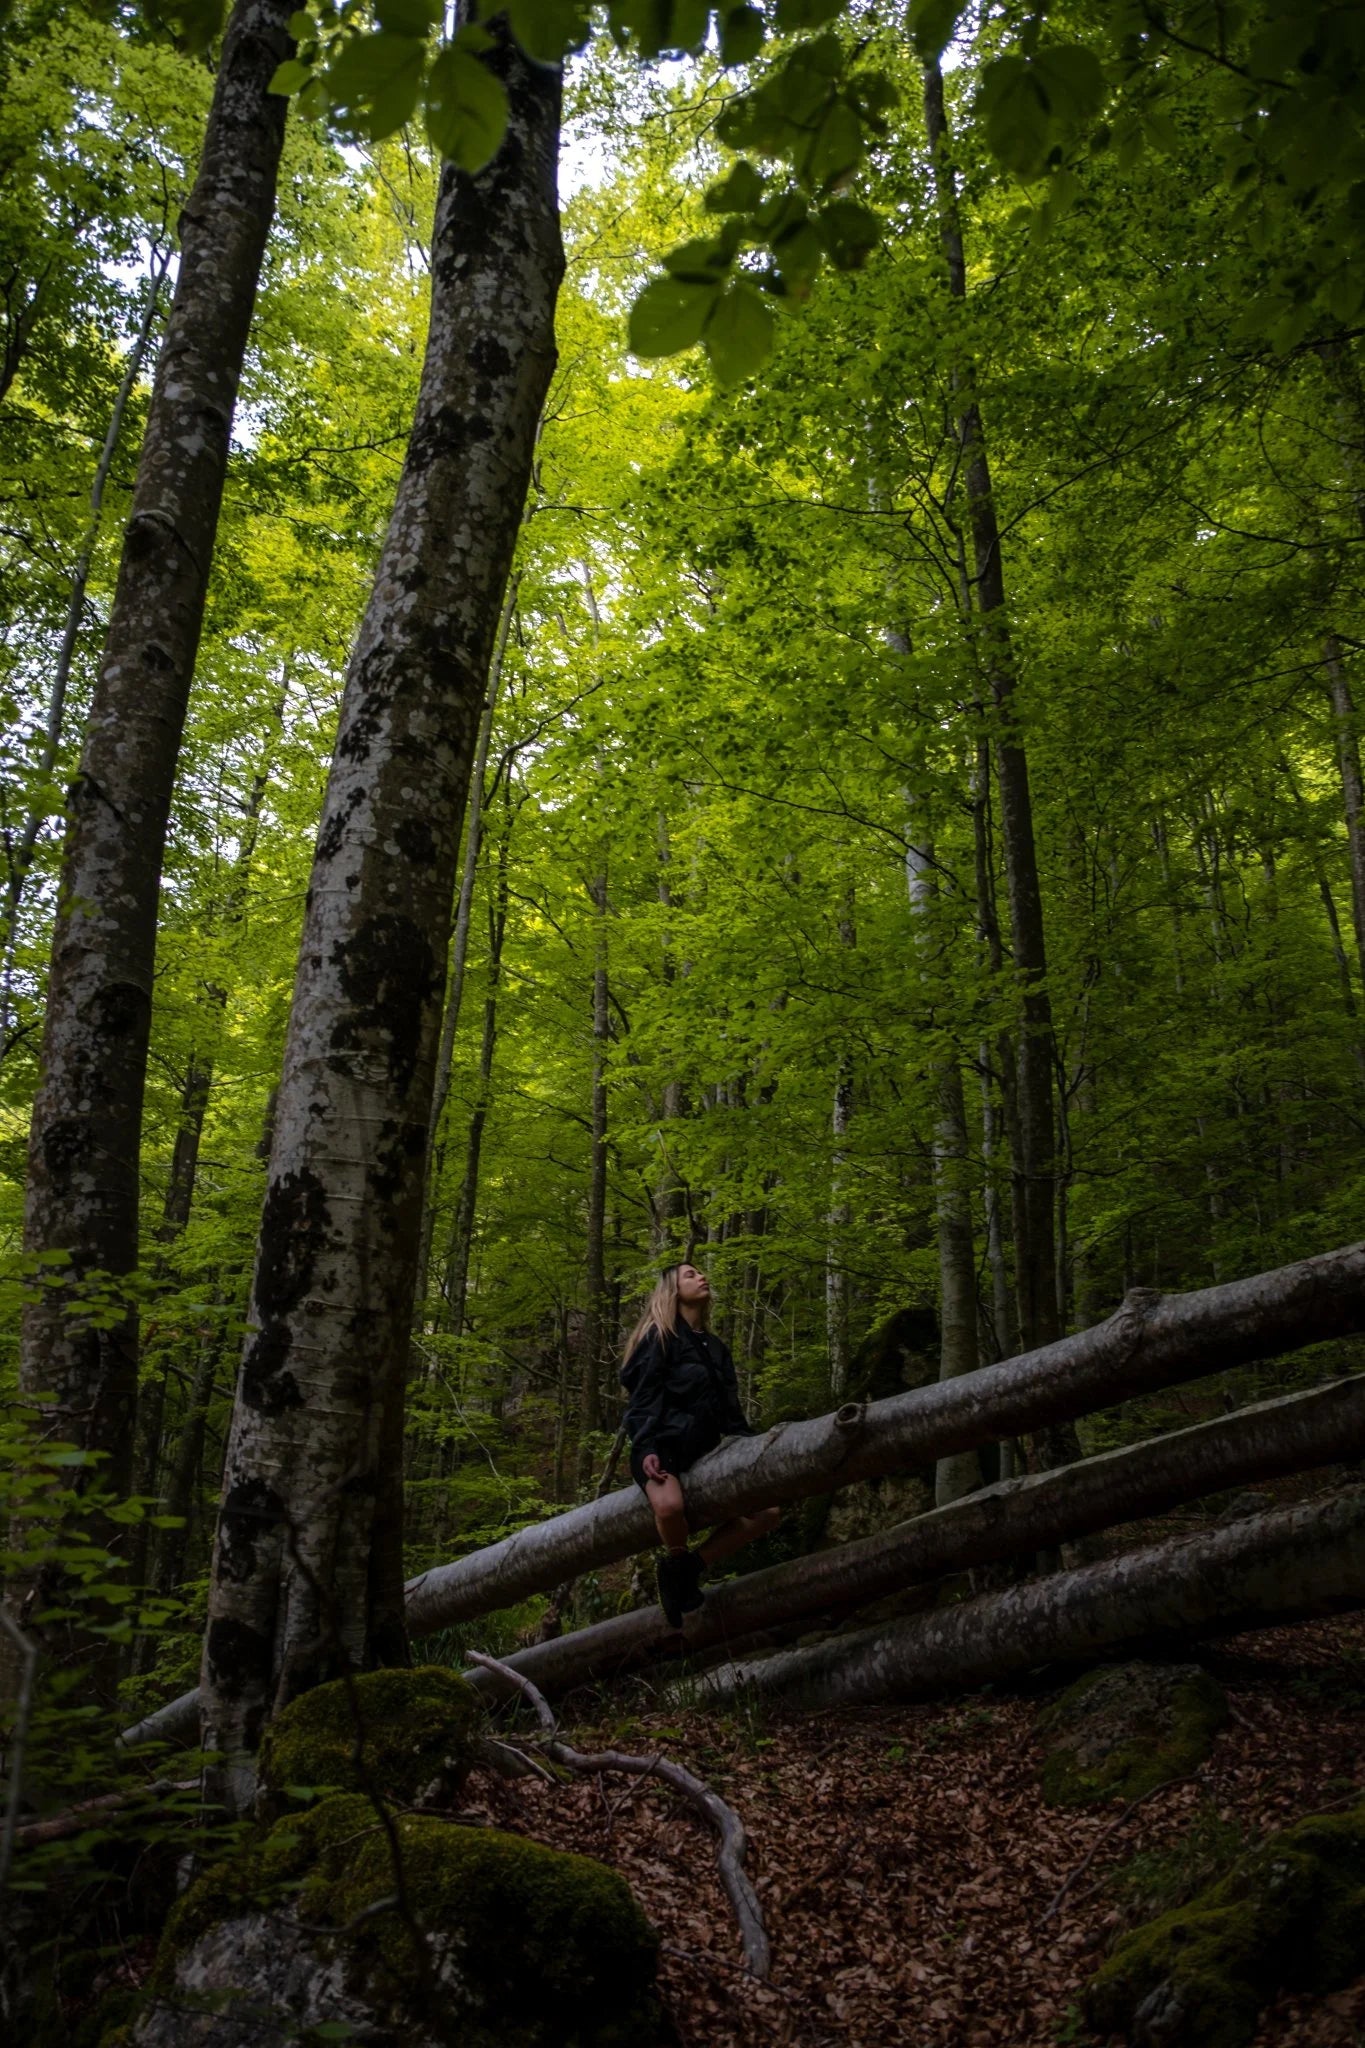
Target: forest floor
x=906 y=1860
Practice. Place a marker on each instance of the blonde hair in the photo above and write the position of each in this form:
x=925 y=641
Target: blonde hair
x=660 y=1312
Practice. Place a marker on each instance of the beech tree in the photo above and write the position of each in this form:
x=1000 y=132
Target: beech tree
x=307 y=1572
x=82 y=1200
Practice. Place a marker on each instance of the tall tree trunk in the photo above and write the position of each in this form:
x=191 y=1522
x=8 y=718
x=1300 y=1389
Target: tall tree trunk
x=960 y=1473
x=450 y=1021
x=87 y=1117
x=307 y=1574
x=839 y=1217
x=1352 y=788
x=21 y=858
x=590 y=1391
x=466 y=1209
x=1034 y=1233
x=1152 y=1341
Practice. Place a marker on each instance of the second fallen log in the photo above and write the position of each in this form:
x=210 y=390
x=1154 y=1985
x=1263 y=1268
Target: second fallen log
x=1291 y=1565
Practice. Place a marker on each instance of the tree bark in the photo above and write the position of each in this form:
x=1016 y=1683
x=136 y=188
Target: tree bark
x=87 y=1118
x=837 y=1221
x=960 y=1473
x=21 y=859
x=1035 y=1257
x=466 y=1209
x=1352 y=788
x=460 y=949
x=1152 y=1341
x=1265 y=1572
x=1297 y=1433
x=590 y=1392
x=306 y=1577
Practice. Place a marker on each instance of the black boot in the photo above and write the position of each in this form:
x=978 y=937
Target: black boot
x=690 y=1596
x=673 y=1576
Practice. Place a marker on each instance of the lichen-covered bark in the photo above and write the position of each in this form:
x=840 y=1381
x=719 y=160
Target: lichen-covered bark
x=83 y=1152
x=1152 y=1341
x=306 y=1573
x=1264 y=1572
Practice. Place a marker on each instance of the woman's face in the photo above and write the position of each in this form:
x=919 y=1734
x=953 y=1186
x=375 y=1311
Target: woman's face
x=693 y=1284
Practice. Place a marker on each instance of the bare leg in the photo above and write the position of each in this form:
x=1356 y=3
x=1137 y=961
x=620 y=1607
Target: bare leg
x=732 y=1536
x=665 y=1497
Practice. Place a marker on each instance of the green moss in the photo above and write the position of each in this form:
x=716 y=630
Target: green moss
x=1291 y=1916
x=1119 y=1732
x=551 y=1950
x=418 y=1726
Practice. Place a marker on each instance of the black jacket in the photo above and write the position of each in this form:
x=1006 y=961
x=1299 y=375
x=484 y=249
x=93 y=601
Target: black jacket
x=684 y=1396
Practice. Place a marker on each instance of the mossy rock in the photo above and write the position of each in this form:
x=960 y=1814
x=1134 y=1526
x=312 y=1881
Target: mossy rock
x=1290 y=1917
x=420 y=1728
x=1121 y=1731
x=521 y=1946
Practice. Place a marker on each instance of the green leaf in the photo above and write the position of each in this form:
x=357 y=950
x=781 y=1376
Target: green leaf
x=793 y=15
x=408 y=17
x=549 y=29
x=837 y=147
x=289 y=76
x=931 y=24
x=738 y=336
x=302 y=26
x=687 y=25
x=466 y=109
x=669 y=315
x=1030 y=105
x=742 y=35
x=372 y=84
x=740 y=192
x=799 y=254
x=850 y=232
x=702 y=261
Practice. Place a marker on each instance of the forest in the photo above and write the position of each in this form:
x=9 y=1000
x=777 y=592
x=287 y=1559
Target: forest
x=642 y=639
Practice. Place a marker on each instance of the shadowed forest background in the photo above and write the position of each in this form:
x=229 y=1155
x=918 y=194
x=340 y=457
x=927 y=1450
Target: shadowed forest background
x=747 y=962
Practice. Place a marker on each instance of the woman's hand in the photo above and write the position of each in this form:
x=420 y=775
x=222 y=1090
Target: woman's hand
x=651 y=1467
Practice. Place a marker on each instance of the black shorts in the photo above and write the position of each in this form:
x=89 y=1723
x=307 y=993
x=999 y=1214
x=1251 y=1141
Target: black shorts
x=668 y=1459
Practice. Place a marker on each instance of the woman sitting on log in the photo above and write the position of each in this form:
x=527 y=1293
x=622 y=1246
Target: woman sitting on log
x=684 y=1398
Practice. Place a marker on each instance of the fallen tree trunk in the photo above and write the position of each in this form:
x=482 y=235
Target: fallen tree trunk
x=1017 y=1517
x=1292 y=1565
x=1152 y=1341
x=1294 y=1434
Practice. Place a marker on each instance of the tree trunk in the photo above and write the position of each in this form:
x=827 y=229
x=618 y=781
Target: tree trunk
x=21 y=859
x=1265 y=1572
x=466 y=1209
x=1034 y=1246
x=1352 y=789
x=1303 y=1431
x=87 y=1118
x=837 y=1222
x=590 y=1392
x=181 y=1485
x=460 y=949
x=1295 y=1434
x=307 y=1569
x=1152 y=1341
x=952 y=1196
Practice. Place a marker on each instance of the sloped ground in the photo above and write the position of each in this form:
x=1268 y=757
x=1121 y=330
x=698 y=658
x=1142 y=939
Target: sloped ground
x=906 y=1861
